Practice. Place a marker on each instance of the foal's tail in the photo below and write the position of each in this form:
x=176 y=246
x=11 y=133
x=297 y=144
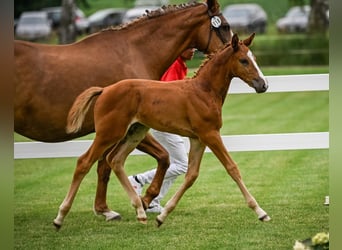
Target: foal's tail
x=80 y=108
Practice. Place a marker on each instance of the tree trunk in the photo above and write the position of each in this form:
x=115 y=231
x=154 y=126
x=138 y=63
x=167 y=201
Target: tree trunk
x=67 y=31
x=318 y=19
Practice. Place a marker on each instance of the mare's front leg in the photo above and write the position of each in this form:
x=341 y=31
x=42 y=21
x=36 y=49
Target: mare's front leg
x=214 y=141
x=100 y=204
x=152 y=147
x=195 y=157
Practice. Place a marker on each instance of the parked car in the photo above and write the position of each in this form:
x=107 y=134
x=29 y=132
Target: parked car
x=81 y=22
x=295 y=20
x=137 y=12
x=33 y=25
x=246 y=18
x=150 y=3
x=105 y=18
x=54 y=14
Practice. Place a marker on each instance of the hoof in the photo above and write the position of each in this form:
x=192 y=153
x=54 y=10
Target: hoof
x=159 y=222
x=265 y=218
x=109 y=215
x=142 y=220
x=57 y=226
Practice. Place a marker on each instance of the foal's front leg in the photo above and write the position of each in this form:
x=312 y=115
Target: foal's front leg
x=214 y=142
x=195 y=157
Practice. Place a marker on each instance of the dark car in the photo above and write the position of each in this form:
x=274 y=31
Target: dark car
x=295 y=20
x=81 y=22
x=246 y=18
x=105 y=18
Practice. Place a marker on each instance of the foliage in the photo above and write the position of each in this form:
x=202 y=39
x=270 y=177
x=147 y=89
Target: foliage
x=318 y=242
x=299 y=49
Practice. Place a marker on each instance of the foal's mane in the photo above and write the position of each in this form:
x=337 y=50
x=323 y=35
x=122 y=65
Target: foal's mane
x=153 y=14
x=209 y=57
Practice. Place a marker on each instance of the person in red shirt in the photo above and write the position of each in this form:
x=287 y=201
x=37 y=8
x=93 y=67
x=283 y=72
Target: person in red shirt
x=173 y=143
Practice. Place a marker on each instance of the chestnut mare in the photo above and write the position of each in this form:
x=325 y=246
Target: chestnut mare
x=190 y=108
x=48 y=78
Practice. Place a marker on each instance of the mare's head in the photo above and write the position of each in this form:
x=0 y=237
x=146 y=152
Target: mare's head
x=214 y=31
x=244 y=66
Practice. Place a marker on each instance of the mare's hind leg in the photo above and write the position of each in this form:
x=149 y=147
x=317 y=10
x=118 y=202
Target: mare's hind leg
x=195 y=157
x=116 y=159
x=214 y=142
x=100 y=204
x=152 y=147
x=84 y=163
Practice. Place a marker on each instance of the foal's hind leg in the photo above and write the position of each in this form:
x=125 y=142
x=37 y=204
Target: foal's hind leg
x=116 y=159
x=214 y=142
x=195 y=157
x=150 y=146
x=84 y=163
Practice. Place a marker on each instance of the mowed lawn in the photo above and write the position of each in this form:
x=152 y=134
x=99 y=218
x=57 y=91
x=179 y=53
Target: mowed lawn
x=289 y=185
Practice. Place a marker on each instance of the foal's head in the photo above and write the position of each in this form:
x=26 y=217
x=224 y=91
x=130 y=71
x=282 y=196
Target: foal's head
x=244 y=64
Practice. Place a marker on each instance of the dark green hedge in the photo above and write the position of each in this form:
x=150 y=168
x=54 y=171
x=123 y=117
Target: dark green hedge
x=285 y=50
x=291 y=50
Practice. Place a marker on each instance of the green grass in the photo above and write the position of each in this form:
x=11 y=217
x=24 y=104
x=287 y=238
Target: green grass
x=289 y=185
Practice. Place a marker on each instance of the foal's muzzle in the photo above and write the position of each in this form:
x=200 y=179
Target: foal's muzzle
x=260 y=85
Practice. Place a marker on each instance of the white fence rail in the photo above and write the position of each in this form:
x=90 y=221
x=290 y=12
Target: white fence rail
x=257 y=142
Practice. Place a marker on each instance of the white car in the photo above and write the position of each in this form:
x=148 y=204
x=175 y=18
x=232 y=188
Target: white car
x=33 y=25
x=246 y=18
x=295 y=20
x=150 y=3
x=136 y=12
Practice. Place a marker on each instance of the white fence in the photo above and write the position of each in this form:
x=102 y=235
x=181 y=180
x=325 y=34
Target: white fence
x=257 y=142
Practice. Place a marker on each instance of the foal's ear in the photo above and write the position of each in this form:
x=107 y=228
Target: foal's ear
x=235 y=42
x=213 y=6
x=249 y=40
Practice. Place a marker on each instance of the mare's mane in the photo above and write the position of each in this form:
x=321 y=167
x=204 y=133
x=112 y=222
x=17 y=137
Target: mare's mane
x=152 y=14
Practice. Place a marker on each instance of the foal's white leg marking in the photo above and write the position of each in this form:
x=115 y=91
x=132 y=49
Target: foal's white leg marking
x=251 y=56
x=109 y=215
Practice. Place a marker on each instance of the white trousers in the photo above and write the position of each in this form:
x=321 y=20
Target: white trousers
x=175 y=146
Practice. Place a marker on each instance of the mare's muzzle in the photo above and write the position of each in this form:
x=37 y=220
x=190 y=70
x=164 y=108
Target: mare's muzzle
x=260 y=85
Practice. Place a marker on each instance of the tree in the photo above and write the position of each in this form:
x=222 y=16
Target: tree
x=318 y=18
x=67 y=31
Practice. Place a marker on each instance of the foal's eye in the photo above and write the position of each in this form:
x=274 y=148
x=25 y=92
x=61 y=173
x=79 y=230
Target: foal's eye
x=244 y=62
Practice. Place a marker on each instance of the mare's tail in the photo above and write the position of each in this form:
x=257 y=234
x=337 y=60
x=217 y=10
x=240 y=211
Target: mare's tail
x=80 y=108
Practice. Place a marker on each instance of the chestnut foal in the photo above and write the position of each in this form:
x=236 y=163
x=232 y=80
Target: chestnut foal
x=190 y=107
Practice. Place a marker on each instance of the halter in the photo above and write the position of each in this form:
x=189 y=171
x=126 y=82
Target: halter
x=216 y=25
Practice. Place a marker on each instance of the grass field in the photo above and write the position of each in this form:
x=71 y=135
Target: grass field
x=289 y=185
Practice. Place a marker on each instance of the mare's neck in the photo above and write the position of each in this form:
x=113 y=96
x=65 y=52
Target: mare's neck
x=156 y=42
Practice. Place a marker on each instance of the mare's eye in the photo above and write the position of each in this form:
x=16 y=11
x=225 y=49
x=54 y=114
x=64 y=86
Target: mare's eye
x=244 y=62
